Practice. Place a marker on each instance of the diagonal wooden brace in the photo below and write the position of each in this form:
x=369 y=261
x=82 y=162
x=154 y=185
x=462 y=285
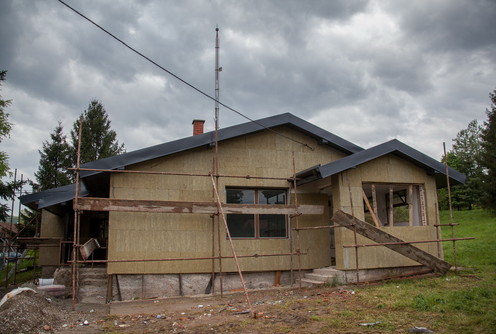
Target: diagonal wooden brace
x=380 y=236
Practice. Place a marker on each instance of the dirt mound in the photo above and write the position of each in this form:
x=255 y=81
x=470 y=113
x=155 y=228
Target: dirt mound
x=27 y=312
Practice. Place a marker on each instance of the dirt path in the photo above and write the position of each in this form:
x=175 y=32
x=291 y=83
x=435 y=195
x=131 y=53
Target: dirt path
x=277 y=310
x=281 y=310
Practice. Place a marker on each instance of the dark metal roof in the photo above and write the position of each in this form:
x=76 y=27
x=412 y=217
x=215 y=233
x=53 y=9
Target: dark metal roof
x=394 y=146
x=47 y=198
x=161 y=150
x=94 y=181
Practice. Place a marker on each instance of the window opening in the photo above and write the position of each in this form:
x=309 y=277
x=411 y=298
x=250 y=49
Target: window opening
x=256 y=225
x=396 y=204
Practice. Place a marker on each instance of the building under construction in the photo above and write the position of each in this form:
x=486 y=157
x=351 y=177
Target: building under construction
x=255 y=200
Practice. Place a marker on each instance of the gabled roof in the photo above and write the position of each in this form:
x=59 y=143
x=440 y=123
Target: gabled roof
x=161 y=150
x=395 y=147
x=92 y=179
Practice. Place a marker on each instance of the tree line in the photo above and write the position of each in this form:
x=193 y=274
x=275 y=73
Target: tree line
x=474 y=154
x=59 y=154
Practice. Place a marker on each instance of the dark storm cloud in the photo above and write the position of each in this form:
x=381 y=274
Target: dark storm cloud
x=365 y=70
x=449 y=25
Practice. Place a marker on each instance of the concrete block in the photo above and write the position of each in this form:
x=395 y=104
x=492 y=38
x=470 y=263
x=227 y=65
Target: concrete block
x=131 y=287
x=194 y=284
x=160 y=286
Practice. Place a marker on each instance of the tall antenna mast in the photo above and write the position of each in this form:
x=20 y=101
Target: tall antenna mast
x=217 y=70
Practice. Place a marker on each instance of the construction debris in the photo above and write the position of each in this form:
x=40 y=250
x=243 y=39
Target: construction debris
x=27 y=311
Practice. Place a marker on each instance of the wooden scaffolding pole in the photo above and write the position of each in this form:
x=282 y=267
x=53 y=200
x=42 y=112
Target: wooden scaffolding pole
x=75 y=243
x=423 y=210
x=450 y=207
x=376 y=220
x=355 y=238
x=438 y=231
x=410 y=205
x=298 y=242
x=391 y=206
x=223 y=216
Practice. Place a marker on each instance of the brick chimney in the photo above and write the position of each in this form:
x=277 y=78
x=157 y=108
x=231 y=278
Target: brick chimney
x=198 y=126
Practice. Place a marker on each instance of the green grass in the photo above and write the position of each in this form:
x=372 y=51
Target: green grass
x=453 y=303
x=25 y=270
x=479 y=253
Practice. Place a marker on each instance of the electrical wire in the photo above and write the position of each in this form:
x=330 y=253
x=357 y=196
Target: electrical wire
x=179 y=78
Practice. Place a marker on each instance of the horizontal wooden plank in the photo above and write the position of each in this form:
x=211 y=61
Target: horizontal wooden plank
x=127 y=205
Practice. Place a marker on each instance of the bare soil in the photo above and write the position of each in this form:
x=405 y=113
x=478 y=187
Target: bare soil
x=280 y=310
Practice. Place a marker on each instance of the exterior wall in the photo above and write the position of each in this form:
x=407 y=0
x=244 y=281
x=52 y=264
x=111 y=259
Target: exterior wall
x=155 y=236
x=386 y=169
x=52 y=226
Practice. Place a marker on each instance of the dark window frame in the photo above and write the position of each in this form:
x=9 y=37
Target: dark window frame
x=257 y=235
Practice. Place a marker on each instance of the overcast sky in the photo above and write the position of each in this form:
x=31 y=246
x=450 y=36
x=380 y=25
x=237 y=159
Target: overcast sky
x=367 y=71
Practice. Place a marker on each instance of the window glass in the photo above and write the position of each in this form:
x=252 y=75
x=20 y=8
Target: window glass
x=272 y=226
x=256 y=225
x=240 y=196
x=241 y=226
x=273 y=196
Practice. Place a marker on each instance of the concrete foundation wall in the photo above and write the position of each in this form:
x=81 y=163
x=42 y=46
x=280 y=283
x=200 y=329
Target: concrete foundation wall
x=156 y=236
x=368 y=275
x=170 y=285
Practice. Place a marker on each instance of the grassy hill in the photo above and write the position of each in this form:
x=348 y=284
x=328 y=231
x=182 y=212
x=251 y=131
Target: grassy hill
x=453 y=303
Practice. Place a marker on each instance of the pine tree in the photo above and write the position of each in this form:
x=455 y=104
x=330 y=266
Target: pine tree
x=98 y=140
x=488 y=157
x=5 y=127
x=55 y=161
x=7 y=189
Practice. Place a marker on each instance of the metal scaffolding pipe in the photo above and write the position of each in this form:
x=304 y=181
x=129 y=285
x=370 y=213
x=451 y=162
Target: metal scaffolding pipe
x=126 y=171
x=186 y=258
x=406 y=242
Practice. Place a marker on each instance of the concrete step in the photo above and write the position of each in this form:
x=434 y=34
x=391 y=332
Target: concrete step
x=92 y=294
x=92 y=285
x=95 y=299
x=92 y=274
x=309 y=283
x=320 y=278
x=93 y=282
x=92 y=290
x=326 y=271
